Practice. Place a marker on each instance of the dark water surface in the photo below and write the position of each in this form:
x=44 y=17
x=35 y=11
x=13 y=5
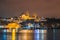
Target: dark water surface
x=32 y=35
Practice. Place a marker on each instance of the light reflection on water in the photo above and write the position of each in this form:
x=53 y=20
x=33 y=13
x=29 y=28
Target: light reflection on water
x=29 y=35
x=40 y=34
x=26 y=35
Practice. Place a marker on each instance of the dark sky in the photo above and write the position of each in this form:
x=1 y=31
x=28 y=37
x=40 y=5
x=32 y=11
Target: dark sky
x=46 y=8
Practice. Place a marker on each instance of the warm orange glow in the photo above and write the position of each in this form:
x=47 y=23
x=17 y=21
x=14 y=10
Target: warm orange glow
x=25 y=34
x=26 y=31
x=13 y=25
x=25 y=17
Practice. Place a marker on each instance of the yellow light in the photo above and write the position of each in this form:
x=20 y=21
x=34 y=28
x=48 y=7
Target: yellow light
x=13 y=25
x=13 y=34
x=25 y=17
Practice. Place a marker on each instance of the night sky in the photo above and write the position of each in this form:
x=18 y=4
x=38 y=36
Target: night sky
x=46 y=8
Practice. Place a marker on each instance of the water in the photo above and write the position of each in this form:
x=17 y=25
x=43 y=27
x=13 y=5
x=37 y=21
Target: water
x=37 y=34
x=40 y=34
x=4 y=34
x=29 y=35
x=26 y=35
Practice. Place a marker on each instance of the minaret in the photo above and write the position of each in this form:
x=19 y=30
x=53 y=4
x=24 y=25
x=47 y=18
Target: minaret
x=27 y=13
